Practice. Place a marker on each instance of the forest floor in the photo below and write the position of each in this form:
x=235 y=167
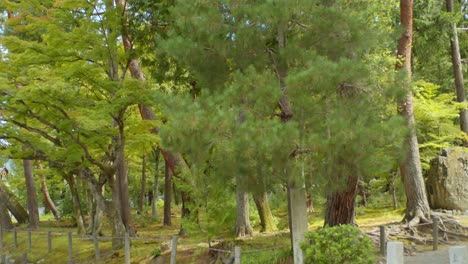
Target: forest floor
x=193 y=248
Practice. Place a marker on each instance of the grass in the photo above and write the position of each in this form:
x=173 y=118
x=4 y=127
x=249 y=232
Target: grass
x=193 y=248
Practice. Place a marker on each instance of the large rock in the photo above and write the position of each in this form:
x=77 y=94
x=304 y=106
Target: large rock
x=447 y=182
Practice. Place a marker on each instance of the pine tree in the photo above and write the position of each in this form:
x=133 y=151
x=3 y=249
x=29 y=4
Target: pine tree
x=300 y=75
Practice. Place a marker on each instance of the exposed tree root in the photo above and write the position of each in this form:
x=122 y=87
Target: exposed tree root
x=450 y=231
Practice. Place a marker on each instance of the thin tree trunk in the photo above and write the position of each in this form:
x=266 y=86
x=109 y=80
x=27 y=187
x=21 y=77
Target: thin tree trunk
x=341 y=204
x=167 y=194
x=175 y=194
x=13 y=205
x=185 y=211
x=417 y=207
x=243 y=227
x=122 y=179
x=267 y=222
x=297 y=208
x=31 y=195
x=146 y=112
x=91 y=209
x=5 y=220
x=154 y=202
x=45 y=191
x=141 y=200
x=310 y=203
x=458 y=71
x=80 y=222
x=113 y=208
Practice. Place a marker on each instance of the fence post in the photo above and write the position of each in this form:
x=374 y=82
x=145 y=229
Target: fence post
x=383 y=240
x=1 y=237
x=435 y=233
x=29 y=239
x=70 y=248
x=97 y=254
x=237 y=255
x=127 y=248
x=49 y=241
x=174 y=249
x=15 y=238
x=25 y=258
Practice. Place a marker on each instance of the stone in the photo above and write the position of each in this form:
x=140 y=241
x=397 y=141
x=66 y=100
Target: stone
x=447 y=180
x=458 y=255
x=395 y=253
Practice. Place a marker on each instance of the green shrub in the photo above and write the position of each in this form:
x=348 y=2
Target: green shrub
x=156 y=252
x=343 y=244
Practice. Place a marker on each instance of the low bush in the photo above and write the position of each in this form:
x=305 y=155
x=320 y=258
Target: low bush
x=343 y=244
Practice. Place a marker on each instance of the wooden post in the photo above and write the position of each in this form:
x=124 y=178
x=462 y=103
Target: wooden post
x=15 y=238
x=237 y=255
x=127 y=248
x=29 y=239
x=435 y=233
x=1 y=237
x=97 y=254
x=383 y=240
x=49 y=242
x=174 y=249
x=70 y=249
x=25 y=258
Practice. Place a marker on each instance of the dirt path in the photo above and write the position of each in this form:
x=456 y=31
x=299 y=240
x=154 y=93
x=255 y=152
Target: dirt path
x=440 y=256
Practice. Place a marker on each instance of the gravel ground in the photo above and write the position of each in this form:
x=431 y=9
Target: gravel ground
x=440 y=256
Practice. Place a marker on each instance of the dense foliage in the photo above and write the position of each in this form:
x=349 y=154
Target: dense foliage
x=343 y=244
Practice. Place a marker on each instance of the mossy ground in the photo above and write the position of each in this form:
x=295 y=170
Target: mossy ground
x=192 y=248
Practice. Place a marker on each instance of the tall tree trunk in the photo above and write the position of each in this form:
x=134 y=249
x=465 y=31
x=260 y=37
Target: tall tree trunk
x=167 y=194
x=267 y=222
x=243 y=227
x=5 y=220
x=297 y=208
x=96 y=190
x=341 y=204
x=146 y=112
x=154 y=201
x=113 y=209
x=45 y=191
x=79 y=217
x=31 y=193
x=13 y=205
x=458 y=71
x=141 y=200
x=122 y=178
x=417 y=206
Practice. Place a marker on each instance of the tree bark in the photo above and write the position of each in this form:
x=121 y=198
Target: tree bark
x=45 y=191
x=79 y=217
x=297 y=208
x=154 y=201
x=5 y=220
x=113 y=209
x=13 y=205
x=122 y=179
x=458 y=71
x=243 y=227
x=267 y=222
x=185 y=211
x=417 y=207
x=31 y=193
x=341 y=204
x=167 y=194
x=141 y=200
